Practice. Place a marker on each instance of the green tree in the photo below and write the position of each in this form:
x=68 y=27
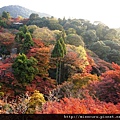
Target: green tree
x=32 y=28
x=114 y=56
x=113 y=44
x=111 y=34
x=24 y=69
x=24 y=29
x=58 y=52
x=54 y=24
x=27 y=43
x=74 y=39
x=100 y=49
x=89 y=37
x=19 y=37
x=33 y=16
x=3 y=23
x=101 y=30
x=71 y=31
x=63 y=45
x=6 y=15
x=24 y=39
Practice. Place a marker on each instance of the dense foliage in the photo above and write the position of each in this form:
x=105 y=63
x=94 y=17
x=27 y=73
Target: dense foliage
x=52 y=66
x=107 y=89
x=24 y=69
x=35 y=102
x=77 y=106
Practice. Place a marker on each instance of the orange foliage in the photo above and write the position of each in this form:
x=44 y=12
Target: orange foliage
x=108 y=88
x=44 y=86
x=38 y=43
x=5 y=66
x=42 y=55
x=115 y=66
x=77 y=106
x=6 y=39
x=31 y=87
x=112 y=74
x=71 y=56
x=73 y=59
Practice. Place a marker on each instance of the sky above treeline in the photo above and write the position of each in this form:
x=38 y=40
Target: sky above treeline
x=106 y=11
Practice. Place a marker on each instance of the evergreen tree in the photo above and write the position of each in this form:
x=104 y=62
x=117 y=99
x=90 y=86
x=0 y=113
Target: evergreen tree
x=24 y=69
x=58 y=52
x=24 y=29
x=19 y=37
x=24 y=40
x=28 y=43
x=63 y=45
x=6 y=15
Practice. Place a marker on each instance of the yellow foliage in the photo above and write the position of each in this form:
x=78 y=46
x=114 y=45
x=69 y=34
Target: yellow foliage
x=82 y=60
x=81 y=81
x=36 y=102
x=1 y=94
x=44 y=34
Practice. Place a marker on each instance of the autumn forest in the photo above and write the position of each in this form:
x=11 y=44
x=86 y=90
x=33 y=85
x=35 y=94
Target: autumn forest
x=58 y=66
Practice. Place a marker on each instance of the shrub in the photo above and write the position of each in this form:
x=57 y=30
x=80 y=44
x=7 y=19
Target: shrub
x=36 y=101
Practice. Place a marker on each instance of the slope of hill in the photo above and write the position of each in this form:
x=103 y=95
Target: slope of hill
x=16 y=10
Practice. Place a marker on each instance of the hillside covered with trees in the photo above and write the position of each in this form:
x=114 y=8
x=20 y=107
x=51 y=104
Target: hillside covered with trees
x=58 y=66
x=16 y=10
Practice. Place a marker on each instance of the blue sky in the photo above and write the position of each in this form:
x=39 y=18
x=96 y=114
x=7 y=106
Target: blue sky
x=106 y=11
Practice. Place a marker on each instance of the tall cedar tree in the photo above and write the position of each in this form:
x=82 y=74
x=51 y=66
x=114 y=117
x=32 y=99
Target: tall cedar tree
x=58 y=52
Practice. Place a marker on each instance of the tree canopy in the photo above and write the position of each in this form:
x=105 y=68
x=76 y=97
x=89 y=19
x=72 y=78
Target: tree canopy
x=24 y=69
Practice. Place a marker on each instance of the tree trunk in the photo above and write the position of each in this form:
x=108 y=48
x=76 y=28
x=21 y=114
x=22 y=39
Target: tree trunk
x=60 y=71
x=57 y=71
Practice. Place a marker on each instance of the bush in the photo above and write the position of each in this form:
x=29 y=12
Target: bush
x=36 y=101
